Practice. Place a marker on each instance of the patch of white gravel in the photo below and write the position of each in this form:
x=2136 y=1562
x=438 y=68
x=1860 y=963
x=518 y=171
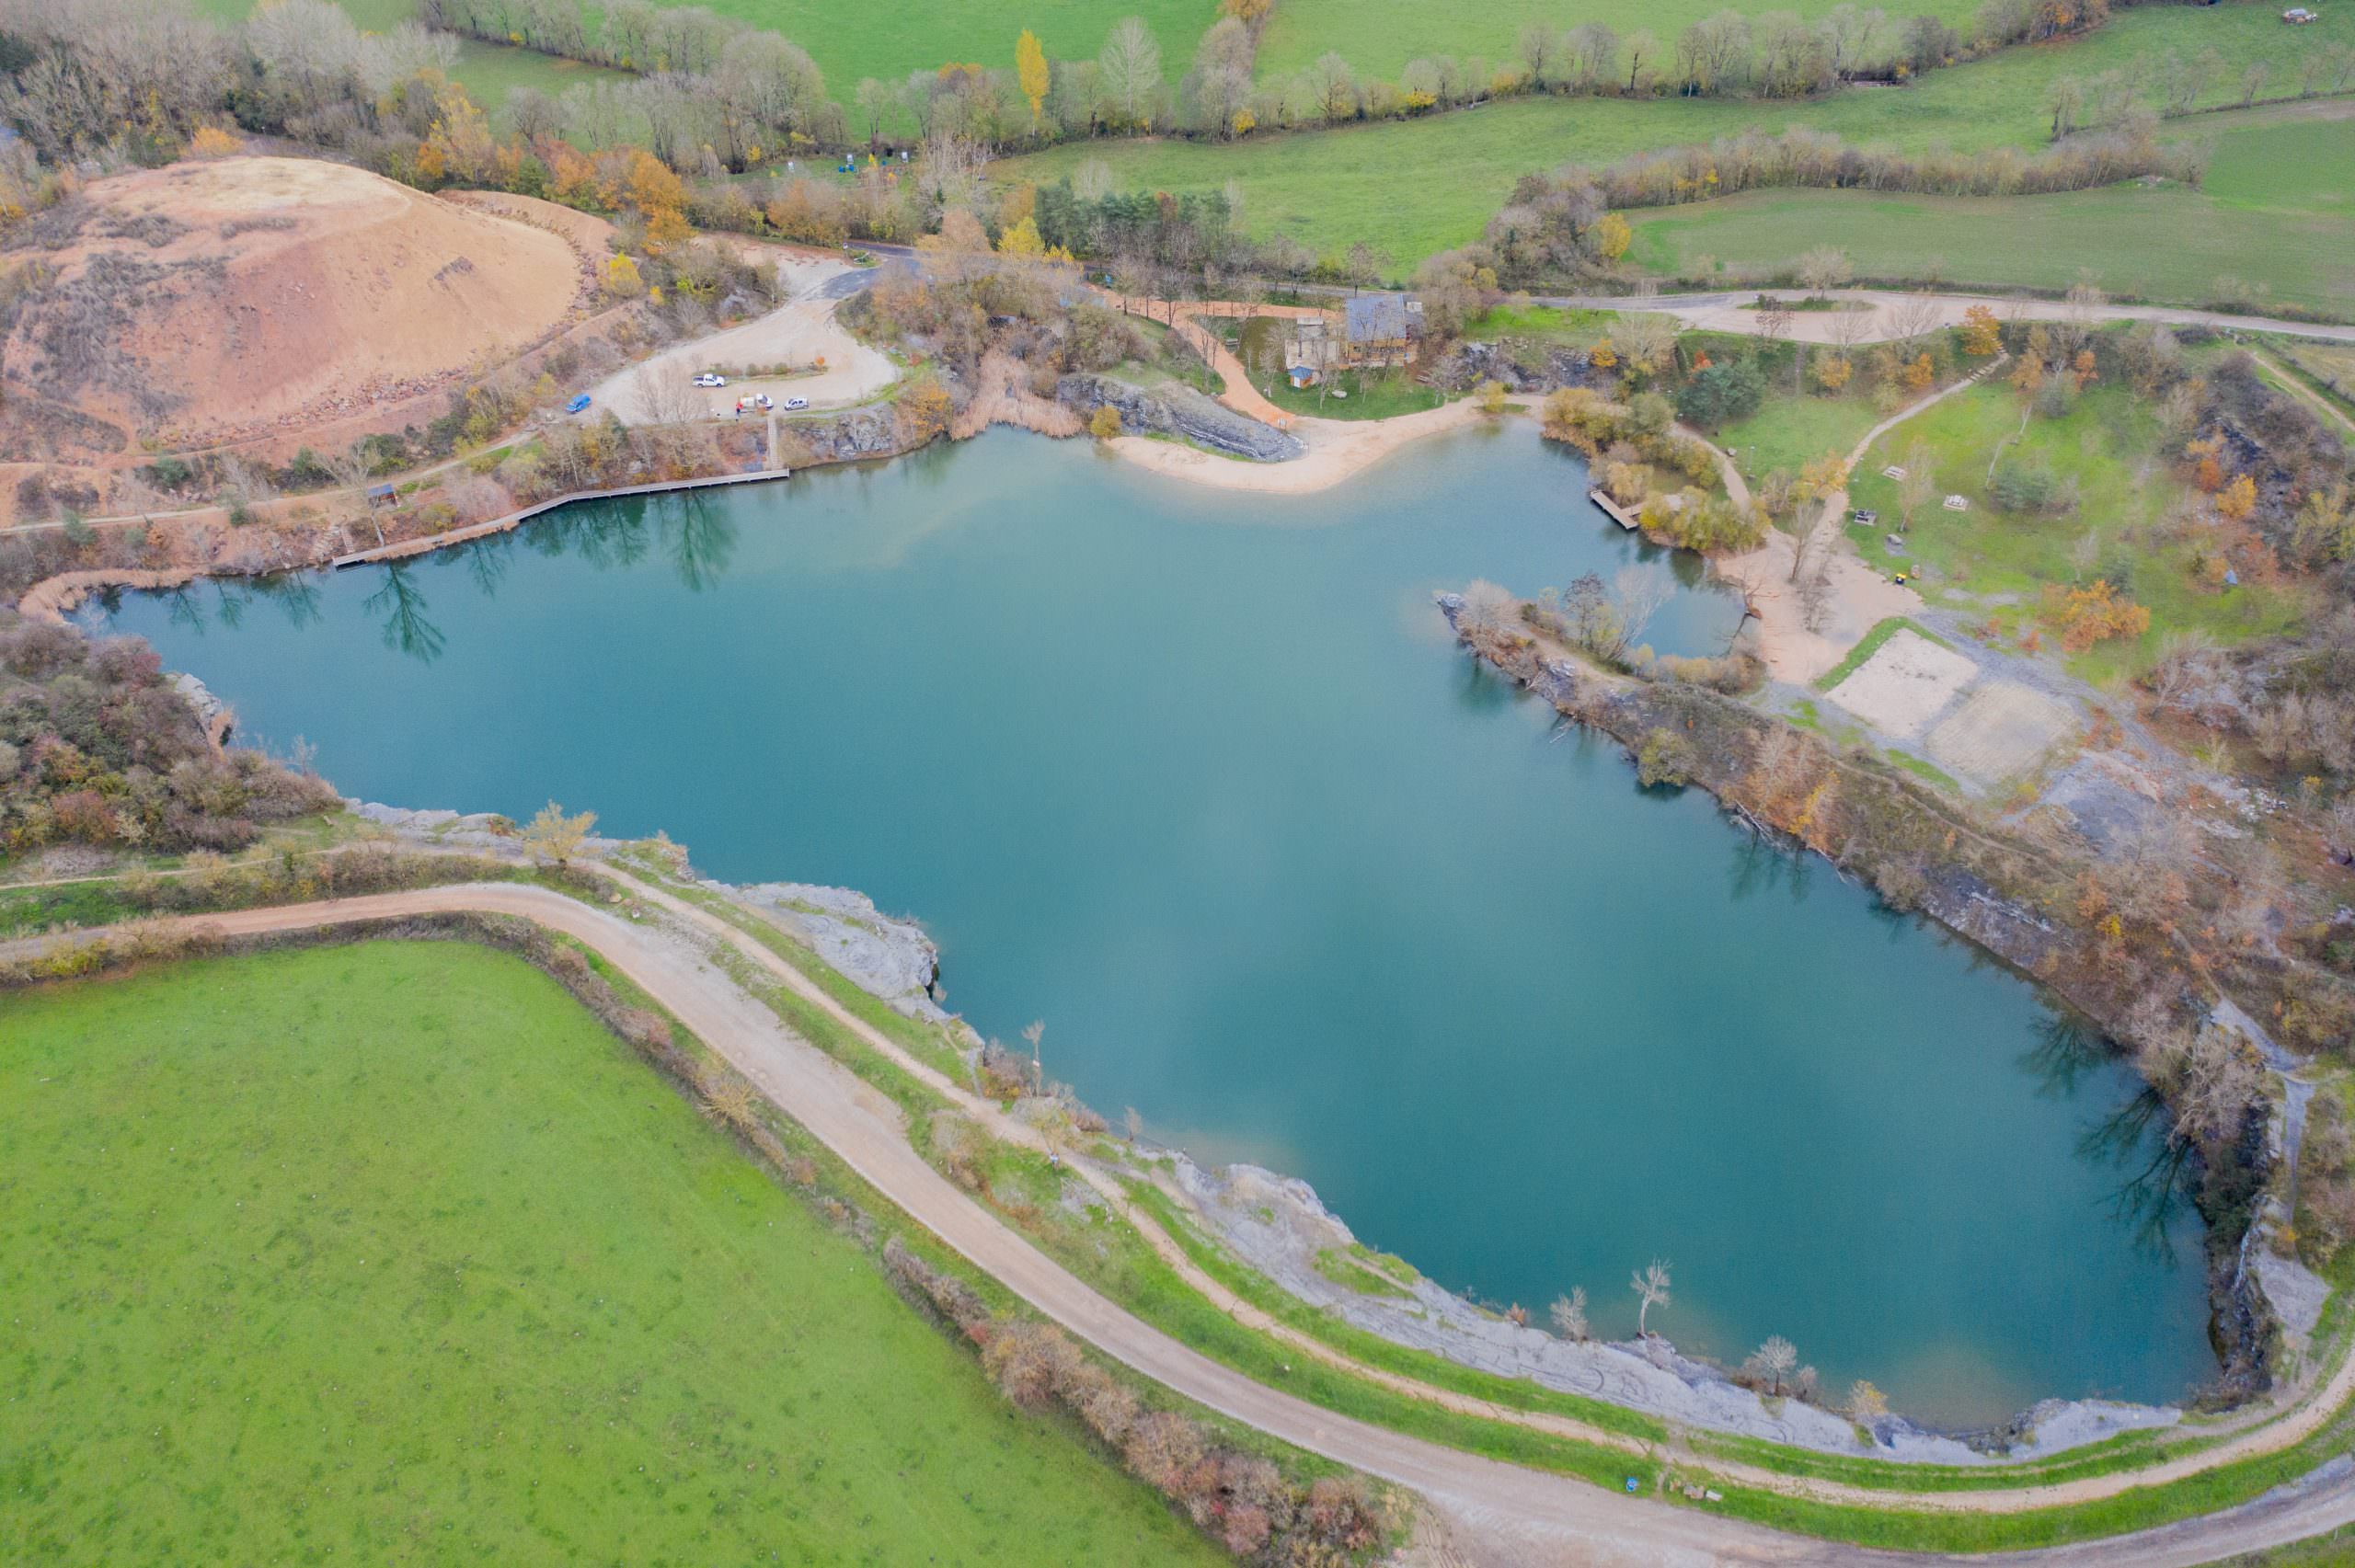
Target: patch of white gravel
x=1906 y=684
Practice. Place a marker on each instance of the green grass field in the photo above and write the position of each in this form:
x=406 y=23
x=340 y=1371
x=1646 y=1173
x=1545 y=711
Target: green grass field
x=1789 y=429
x=2276 y=214
x=1983 y=560
x=390 y=1253
x=1410 y=188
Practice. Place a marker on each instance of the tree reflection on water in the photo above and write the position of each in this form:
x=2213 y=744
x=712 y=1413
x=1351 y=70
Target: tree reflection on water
x=2136 y=1140
x=403 y=606
x=697 y=533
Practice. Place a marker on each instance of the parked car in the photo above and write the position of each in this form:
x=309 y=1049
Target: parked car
x=579 y=401
x=762 y=400
x=711 y=378
x=797 y=403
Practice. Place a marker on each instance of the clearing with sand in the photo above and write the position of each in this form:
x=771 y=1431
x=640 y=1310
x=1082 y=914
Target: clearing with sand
x=208 y=303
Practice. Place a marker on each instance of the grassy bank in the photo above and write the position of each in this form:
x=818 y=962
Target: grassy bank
x=390 y=1245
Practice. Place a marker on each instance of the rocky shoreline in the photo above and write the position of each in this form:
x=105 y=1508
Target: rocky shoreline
x=1277 y=1226
x=2260 y=1303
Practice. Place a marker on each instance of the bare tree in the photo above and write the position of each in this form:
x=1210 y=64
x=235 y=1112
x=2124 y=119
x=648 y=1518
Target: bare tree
x=1815 y=595
x=1594 y=53
x=1772 y=1362
x=1645 y=340
x=2210 y=1079
x=1912 y=317
x=1488 y=608
x=951 y=168
x=1650 y=1285
x=875 y=100
x=665 y=400
x=1824 y=267
x=1638 y=592
x=1921 y=482
x=2075 y=328
x=1034 y=1032
x=2342 y=826
x=1131 y=63
x=1866 y=1402
x=2193 y=678
x=1539 y=49
x=1849 y=328
x=1570 y=1315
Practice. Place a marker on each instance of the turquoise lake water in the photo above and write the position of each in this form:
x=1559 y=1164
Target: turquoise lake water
x=1199 y=781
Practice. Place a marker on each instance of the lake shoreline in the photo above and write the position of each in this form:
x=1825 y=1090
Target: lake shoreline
x=1338 y=450
x=1963 y=888
x=1474 y=456
x=1274 y=1225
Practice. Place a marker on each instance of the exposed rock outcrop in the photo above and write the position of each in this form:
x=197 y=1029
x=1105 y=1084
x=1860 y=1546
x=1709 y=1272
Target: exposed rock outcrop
x=864 y=432
x=1521 y=370
x=891 y=959
x=1179 y=411
x=1278 y=1226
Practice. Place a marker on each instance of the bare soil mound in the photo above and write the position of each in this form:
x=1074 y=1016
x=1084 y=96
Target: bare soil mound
x=214 y=301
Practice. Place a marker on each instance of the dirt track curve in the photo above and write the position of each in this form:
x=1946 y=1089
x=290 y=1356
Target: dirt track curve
x=1499 y=1512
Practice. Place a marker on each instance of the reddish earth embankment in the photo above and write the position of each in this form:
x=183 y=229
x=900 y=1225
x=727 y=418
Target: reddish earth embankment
x=211 y=302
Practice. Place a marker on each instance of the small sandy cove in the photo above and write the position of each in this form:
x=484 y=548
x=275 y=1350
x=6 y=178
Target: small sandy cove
x=1338 y=450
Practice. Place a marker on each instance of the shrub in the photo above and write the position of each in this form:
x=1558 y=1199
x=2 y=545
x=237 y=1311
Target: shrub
x=2094 y=615
x=1721 y=394
x=2023 y=487
x=1664 y=759
x=1692 y=521
x=106 y=752
x=923 y=411
x=1105 y=423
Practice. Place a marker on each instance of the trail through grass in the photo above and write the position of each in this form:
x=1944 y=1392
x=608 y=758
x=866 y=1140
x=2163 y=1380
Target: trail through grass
x=392 y=1248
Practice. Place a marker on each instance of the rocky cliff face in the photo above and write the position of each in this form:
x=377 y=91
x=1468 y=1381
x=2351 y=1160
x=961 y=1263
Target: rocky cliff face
x=1959 y=886
x=1179 y=411
x=864 y=432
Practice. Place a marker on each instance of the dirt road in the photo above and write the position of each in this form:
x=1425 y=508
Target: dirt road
x=1881 y=310
x=798 y=333
x=1499 y=1512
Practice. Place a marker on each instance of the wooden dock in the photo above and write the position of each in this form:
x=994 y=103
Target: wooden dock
x=1619 y=514
x=429 y=541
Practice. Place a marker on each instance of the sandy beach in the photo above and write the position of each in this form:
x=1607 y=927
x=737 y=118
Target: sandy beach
x=1338 y=450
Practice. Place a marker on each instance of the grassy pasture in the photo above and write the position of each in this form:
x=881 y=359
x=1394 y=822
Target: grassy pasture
x=390 y=1252
x=2277 y=212
x=1410 y=188
x=1982 y=560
